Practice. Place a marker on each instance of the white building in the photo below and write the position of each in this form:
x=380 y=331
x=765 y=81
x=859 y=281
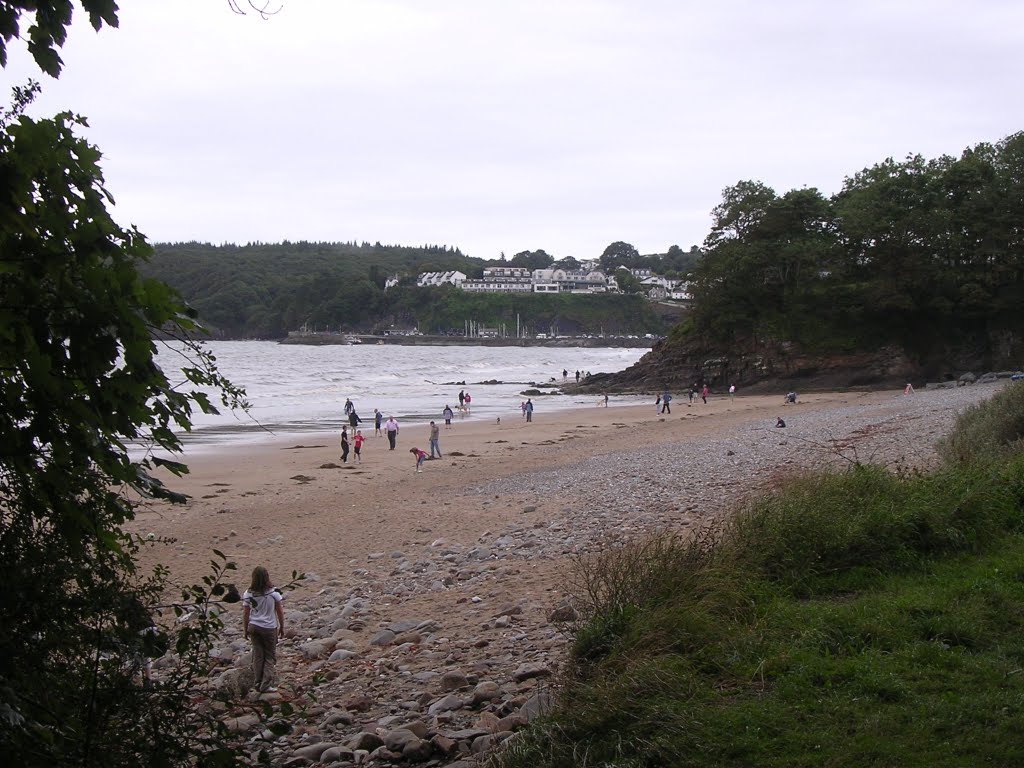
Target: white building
x=441 y=278
x=565 y=281
x=501 y=280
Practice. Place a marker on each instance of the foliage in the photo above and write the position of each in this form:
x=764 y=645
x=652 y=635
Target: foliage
x=924 y=254
x=79 y=386
x=265 y=291
x=48 y=29
x=850 y=619
x=988 y=429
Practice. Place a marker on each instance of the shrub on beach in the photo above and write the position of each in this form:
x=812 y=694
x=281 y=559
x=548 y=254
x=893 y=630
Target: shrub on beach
x=988 y=429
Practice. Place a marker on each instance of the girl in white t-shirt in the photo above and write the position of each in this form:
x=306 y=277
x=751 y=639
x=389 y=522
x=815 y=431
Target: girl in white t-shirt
x=263 y=621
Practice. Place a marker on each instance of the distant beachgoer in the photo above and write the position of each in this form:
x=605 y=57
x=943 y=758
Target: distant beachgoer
x=391 y=427
x=435 y=437
x=468 y=401
x=605 y=399
x=344 y=445
x=565 y=374
x=657 y=404
x=692 y=392
x=420 y=457
x=529 y=409
x=353 y=418
x=732 y=391
x=357 y=445
x=447 y=413
x=577 y=377
x=378 y=417
x=666 y=398
x=704 y=394
x=349 y=407
x=790 y=398
x=263 y=622
x=522 y=407
x=909 y=389
x=462 y=400
x=779 y=422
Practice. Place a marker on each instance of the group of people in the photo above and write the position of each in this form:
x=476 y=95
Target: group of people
x=354 y=442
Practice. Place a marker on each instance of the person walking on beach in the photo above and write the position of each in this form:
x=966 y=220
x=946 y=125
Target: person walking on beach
x=447 y=413
x=704 y=394
x=420 y=457
x=692 y=392
x=349 y=407
x=565 y=375
x=391 y=427
x=462 y=400
x=666 y=398
x=353 y=418
x=344 y=445
x=357 y=444
x=435 y=438
x=468 y=401
x=378 y=417
x=577 y=377
x=529 y=409
x=263 y=623
x=732 y=391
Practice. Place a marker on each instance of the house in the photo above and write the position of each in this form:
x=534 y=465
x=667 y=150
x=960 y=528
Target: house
x=441 y=278
x=501 y=280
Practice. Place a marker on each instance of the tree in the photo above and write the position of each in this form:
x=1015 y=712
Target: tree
x=79 y=379
x=619 y=254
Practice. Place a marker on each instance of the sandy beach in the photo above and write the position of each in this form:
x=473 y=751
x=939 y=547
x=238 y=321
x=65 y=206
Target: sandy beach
x=292 y=505
x=465 y=569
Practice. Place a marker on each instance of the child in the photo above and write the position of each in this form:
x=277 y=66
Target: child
x=420 y=456
x=263 y=621
x=357 y=443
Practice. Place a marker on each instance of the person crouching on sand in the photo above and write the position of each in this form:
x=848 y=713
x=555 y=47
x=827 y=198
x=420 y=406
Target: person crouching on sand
x=420 y=457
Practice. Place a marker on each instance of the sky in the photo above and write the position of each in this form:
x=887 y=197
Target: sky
x=499 y=127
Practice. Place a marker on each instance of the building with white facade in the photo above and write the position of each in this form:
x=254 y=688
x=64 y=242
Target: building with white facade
x=441 y=278
x=501 y=280
x=565 y=281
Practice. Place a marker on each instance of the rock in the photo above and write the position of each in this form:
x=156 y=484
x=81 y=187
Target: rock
x=453 y=680
x=485 y=692
x=242 y=724
x=316 y=649
x=562 y=613
x=529 y=670
x=396 y=740
x=314 y=751
x=539 y=704
x=341 y=655
x=383 y=638
x=366 y=741
x=446 y=704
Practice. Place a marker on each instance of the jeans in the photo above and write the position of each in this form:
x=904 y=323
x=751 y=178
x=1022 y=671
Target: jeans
x=435 y=447
x=392 y=437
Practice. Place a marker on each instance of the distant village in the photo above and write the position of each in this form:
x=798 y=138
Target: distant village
x=553 y=280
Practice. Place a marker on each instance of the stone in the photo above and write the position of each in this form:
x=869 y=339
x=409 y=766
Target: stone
x=453 y=680
x=445 y=704
x=314 y=751
x=530 y=670
x=366 y=741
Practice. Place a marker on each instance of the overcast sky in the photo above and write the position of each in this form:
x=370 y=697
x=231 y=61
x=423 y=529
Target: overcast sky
x=500 y=126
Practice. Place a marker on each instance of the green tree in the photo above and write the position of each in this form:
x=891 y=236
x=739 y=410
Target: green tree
x=619 y=254
x=80 y=382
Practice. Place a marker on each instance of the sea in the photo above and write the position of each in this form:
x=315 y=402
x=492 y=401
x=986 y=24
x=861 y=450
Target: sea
x=295 y=389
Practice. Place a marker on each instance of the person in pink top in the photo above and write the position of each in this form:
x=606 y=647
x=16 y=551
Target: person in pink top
x=420 y=457
x=704 y=394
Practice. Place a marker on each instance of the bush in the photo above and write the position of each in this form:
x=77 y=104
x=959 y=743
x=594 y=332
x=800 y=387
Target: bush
x=988 y=429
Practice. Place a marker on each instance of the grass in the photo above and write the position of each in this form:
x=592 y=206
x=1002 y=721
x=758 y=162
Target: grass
x=854 y=619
